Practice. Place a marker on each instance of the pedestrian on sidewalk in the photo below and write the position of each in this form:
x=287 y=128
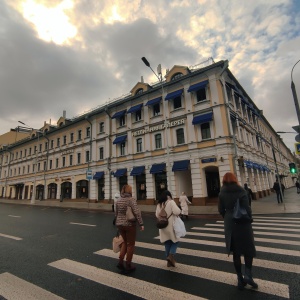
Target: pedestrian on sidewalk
x=276 y=188
x=184 y=204
x=249 y=193
x=167 y=235
x=116 y=198
x=282 y=189
x=298 y=187
x=239 y=238
x=127 y=229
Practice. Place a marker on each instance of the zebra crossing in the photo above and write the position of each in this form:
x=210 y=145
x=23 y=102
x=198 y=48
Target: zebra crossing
x=277 y=243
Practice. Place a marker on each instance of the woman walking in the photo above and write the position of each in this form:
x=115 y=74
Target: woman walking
x=167 y=235
x=126 y=228
x=239 y=237
x=184 y=204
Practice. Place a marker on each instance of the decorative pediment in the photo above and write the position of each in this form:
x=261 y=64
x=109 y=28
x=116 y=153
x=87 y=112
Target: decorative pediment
x=140 y=87
x=47 y=127
x=61 y=121
x=176 y=72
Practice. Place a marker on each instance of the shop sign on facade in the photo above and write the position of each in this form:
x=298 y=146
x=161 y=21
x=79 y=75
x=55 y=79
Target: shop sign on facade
x=89 y=175
x=208 y=160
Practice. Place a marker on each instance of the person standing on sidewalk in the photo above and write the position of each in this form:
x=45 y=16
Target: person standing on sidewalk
x=249 y=193
x=184 y=204
x=116 y=198
x=298 y=187
x=126 y=228
x=239 y=238
x=276 y=188
x=167 y=235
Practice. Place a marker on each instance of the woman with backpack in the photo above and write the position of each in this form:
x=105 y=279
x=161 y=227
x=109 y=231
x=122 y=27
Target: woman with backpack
x=167 y=234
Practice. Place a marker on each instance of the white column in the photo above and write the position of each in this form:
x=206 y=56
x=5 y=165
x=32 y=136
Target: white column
x=150 y=185
x=93 y=189
x=196 y=179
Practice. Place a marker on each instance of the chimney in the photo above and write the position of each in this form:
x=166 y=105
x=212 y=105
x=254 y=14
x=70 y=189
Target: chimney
x=64 y=113
x=44 y=123
x=142 y=79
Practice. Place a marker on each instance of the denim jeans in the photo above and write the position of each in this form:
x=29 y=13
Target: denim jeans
x=170 y=247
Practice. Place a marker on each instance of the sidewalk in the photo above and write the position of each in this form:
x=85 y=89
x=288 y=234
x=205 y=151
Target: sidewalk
x=267 y=205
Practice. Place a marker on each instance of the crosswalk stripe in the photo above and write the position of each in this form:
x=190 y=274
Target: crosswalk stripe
x=12 y=216
x=276 y=224
x=255 y=232
x=10 y=237
x=277 y=221
x=14 y=288
x=137 y=287
x=268 y=287
x=267 y=264
x=258 y=227
x=259 y=248
x=272 y=241
x=275 y=218
x=82 y=224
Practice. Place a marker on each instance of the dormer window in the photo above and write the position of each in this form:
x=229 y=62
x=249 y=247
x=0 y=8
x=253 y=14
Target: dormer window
x=139 y=91
x=176 y=76
x=61 y=124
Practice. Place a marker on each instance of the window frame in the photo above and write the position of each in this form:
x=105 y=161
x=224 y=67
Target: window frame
x=180 y=135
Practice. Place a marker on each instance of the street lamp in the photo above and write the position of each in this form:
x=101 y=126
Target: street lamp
x=159 y=76
x=295 y=95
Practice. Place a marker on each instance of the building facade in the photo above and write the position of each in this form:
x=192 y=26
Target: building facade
x=181 y=134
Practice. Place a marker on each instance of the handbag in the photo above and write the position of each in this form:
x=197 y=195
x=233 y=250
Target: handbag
x=179 y=227
x=129 y=215
x=240 y=214
x=117 y=242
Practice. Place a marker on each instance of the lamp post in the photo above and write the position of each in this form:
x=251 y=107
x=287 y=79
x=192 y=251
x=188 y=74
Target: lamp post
x=295 y=96
x=35 y=164
x=159 y=76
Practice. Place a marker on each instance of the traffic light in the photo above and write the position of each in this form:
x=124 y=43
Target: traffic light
x=293 y=169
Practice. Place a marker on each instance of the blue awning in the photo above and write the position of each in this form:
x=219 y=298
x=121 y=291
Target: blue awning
x=153 y=101
x=137 y=171
x=174 y=94
x=120 y=139
x=233 y=116
x=249 y=164
x=134 y=109
x=98 y=175
x=119 y=114
x=181 y=165
x=198 y=86
x=158 y=168
x=231 y=86
x=244 y=101
x=202 y=118
x=120 y=172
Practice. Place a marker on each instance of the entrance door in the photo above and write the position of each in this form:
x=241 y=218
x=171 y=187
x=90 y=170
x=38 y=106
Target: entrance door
x=213 y=184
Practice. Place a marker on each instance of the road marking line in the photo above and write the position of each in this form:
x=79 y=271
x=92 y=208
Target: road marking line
x=277 y=221
x=14 y=288
x=255 y=232
x=45 y=208
x=257 y=239
x=276 y=224
x=222 y=244
x=72 y=223
x=258 y=227
x=137 y=287
x=276 y=218
x=11 y=237
x=14 y=216
x=268 y=287
x=267 y=264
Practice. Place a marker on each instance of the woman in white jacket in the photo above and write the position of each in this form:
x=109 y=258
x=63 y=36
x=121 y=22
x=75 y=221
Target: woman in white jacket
x=167 y=235
x=184 y=202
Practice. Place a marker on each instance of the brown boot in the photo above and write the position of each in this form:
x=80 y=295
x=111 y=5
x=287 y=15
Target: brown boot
x=171 y=260
x=168 y=264
x=120 y=265
x=129 y=268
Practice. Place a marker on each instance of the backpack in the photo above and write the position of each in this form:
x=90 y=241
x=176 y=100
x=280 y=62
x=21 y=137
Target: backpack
x=163 y=220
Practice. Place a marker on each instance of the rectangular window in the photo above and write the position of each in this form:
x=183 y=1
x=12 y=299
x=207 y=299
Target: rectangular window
x=122 y=148
x=177 y=102
x=101 y=153
x=139 y=145
x=28 y=169
x=158 y=141
x=63 y=161
x=79 y=135
x=201 y=95
x=50 y=164
x=138 y=115
x=30 y=151
x=21 y=153
x=57 y=163
x=122 y=121
x=65 y=139
x=46 y=146
x=71 y=160
x=39 y=167
x=156 y=109
x=24 y=170
x=88 y=131
x=35 y=149
x=45 y=165
x=180 y=136
x=51 y=144
x=40 y=148
x=87 y=156
x=205 y=131
x=19 y=171
x=101 y=127
x=58 y=142
x=71 y=137
x=33 y=168
x=79 y=158
x=17 y=154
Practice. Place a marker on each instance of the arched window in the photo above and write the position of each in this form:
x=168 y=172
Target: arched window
x=139 y=91
x=176 y=76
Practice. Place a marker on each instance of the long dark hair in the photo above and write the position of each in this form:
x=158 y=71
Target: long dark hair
x=164 y=197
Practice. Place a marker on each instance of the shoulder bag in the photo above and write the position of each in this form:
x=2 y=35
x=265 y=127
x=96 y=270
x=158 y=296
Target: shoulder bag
x=179 y=227
x=129 y=215
x=240 y=214
x=117 y=242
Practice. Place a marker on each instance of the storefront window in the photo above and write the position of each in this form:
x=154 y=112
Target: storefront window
x=160 y=184
x=141 y=187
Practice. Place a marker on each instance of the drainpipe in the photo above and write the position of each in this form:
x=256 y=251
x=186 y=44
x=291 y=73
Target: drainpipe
x=46 y=169
x=91 y=136
x=109 y=154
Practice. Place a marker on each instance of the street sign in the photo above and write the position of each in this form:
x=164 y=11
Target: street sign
x=297 y=148
x=89 y=174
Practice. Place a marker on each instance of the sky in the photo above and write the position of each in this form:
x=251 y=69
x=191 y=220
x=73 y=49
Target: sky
x=76 y=55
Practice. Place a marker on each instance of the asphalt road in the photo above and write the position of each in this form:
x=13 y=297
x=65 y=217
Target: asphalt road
x=49 y=252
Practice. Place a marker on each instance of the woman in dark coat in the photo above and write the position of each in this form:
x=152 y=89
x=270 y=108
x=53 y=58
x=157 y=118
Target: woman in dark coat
x=239 y=238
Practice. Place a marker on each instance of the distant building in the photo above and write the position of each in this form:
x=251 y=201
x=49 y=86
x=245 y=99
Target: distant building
x=181 y=135
x=11 y=137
